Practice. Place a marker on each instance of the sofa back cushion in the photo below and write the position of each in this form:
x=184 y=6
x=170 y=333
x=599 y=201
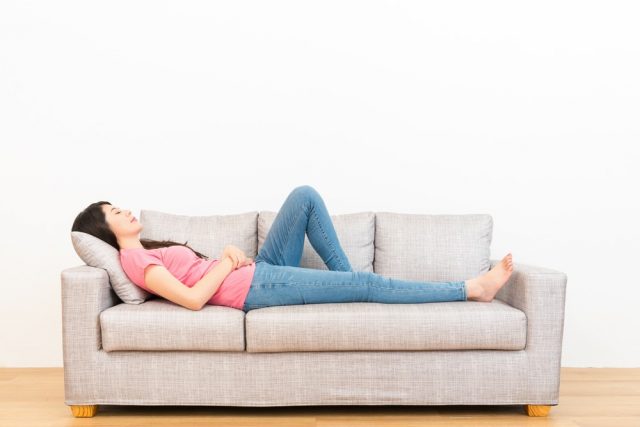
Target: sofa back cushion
x=206 y=234
x=355 y=232
x=425 y=247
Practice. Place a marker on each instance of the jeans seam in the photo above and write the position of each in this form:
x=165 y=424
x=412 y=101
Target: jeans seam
x=289 y=238
x=327 y=240
x=343 y=285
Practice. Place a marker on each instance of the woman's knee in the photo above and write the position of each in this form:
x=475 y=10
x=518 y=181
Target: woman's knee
x=305 y=195
x=375 y=279
x=306 y=191
x=368 y=277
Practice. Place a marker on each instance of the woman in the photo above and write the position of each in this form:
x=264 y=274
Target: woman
x=180 y=274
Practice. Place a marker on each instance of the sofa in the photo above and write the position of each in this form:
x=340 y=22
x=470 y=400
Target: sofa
x=504 y=352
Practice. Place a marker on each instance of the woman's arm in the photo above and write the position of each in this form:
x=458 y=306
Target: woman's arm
x=206 y=287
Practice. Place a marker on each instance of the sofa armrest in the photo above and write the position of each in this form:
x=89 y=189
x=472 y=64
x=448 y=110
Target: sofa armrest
x=86 y=292
x=540 y=293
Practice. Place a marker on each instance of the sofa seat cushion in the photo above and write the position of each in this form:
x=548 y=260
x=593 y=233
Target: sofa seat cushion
x=159 y=324
x=458 y=325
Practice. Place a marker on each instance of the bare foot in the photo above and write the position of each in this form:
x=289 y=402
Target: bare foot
x=484 y=288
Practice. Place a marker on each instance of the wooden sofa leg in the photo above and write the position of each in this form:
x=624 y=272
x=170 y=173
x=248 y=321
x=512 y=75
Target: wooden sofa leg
x=537 y=410
x=84 y=411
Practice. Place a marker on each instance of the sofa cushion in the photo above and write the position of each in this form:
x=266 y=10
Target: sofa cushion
x=355 y=232
x=456 y=325
x=432 y=247
x=206 y=234
x=160 y=324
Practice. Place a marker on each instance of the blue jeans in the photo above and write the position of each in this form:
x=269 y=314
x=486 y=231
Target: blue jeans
x=279 y=281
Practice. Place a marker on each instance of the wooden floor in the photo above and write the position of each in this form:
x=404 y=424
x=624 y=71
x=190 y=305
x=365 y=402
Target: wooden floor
x=589 y=397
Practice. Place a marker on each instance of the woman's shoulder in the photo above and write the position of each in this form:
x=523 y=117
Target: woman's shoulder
x=162 y=250
x=135 y=260
x=179 y=250
x=166 y=253
x=139 y=251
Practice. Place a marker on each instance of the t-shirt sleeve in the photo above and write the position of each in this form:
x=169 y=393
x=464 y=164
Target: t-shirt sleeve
x=142 y=260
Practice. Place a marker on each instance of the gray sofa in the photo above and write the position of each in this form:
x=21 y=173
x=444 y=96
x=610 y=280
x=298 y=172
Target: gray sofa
x=506 y=352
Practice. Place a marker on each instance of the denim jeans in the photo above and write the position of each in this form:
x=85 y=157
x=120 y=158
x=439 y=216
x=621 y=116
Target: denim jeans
x=278 y=279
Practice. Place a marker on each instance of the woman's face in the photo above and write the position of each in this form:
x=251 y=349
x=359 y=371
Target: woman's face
x=121 y=221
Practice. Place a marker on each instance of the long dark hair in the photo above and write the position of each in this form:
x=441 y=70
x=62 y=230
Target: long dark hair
x=92 y=220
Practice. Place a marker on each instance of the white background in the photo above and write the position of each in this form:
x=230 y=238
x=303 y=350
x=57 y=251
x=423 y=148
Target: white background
x=527 y=111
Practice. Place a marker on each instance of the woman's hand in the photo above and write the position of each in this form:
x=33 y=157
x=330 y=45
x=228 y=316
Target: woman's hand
x=237 y=256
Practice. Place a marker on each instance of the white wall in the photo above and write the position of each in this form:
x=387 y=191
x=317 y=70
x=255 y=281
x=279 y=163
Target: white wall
x=527 y=111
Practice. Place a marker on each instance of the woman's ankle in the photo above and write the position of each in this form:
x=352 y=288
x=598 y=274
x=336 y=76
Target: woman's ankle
x=473 y=289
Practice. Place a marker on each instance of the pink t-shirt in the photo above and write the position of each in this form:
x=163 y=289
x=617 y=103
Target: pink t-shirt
x=188 y=268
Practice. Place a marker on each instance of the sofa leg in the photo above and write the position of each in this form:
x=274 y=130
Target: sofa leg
x=84 y=411
x=537 y=410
